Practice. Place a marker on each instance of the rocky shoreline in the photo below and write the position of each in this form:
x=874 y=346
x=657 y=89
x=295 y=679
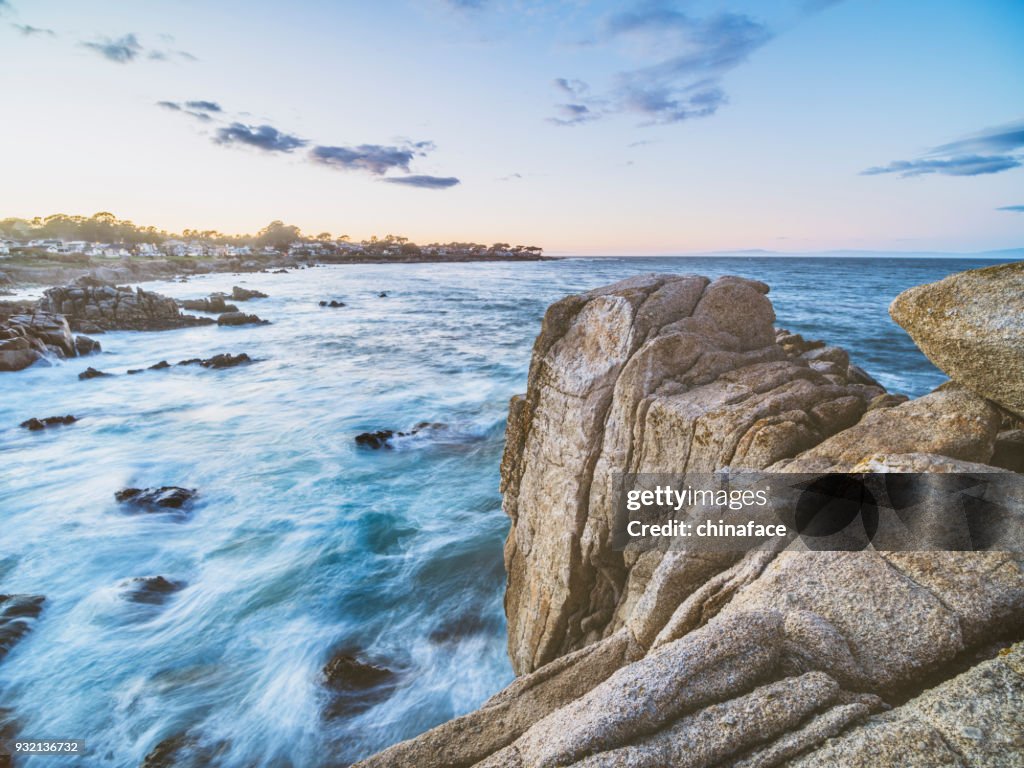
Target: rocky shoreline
x=766 y=658
x=142 y=270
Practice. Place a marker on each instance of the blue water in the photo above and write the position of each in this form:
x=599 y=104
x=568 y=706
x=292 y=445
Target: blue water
x=302 y=543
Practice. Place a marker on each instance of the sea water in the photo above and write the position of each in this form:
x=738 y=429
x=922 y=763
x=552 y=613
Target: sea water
x=303 y=544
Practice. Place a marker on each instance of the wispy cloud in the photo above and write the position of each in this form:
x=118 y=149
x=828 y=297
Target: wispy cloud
x=127 y=48
x=374 y=158
x=992 y=150
x=121 y=50
x=200 y=110
x=262 y=137
x=685 y=82
x=5 y=6
x=1012 y=208
x=424 y=182
x=29 y=31
x=204 y=106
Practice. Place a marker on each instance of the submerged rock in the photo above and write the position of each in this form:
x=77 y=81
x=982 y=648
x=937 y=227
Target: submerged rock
x=244 y=294
x=157 y=499
x=92 y=373
x=224 y=360
x=240 y=318
x=17 y=615
x=334 y=304
x=382 y=437
x=971 y=325
x=152 y=590
x=186 y=750
x=35 y=425
x=355 y=685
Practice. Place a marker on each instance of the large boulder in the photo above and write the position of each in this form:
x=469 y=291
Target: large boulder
x=971 y=325
x=659 y=373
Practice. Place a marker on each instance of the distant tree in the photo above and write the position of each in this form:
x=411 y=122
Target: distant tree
x=278 y=235
x=409 y=249
x=324 y=237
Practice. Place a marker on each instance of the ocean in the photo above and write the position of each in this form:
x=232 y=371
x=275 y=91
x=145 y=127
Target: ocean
x=303 y=544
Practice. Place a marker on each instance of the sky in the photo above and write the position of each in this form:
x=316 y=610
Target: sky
x=584 y=127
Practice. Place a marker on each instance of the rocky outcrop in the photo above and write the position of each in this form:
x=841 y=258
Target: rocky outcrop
x=240 y=318
x=971 y=325
x=92 y=307
x=28 y=337
x=214 y=303
x=245 y=294
x=223 y=360
x=355 y=685
x=679 y=657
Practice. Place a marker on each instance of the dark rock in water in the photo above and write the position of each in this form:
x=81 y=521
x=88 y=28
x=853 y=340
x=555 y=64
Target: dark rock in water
x=382 y=295
x=86 y=346
x=355 y=685
x=92 y=373
x=50 y=421
x=344 y=672
x=157 y=499
x=280 y=272
x=244 y=294
x=185 y=750
x=17 y=614
x=219 y=361
x=382 y=437
x=332 y=303
x=133 y=371
x=160 y=366
x=94 y=308
x=240 y=318
x=378 y=439
x=152 y=590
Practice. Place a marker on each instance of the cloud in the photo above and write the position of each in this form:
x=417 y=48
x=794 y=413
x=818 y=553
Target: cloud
x=1012 y=208
x=204 y=106
x=573 y=114
x=466 y=5
x=28 y=30
x=127 y=48
x=5 y=7
x=992 y=150
x=962 y=165
x=373 y=158
x=424 y=182
x=685 y=82
x=263 y=137
x=121 y=50
x=200 y=110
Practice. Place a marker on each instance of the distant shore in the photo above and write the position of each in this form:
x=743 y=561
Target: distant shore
x=16 y=272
